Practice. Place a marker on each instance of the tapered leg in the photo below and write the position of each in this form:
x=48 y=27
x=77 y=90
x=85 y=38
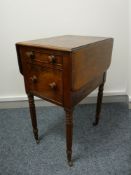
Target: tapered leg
x=69 y=135
x=33 y=116
x=99 y=100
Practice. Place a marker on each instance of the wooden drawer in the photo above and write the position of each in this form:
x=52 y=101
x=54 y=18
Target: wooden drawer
x=44 y=82
x=36 y=56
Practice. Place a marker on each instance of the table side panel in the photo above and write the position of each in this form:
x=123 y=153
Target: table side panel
x=67 y=81
x=90 y=62
x=80 y=94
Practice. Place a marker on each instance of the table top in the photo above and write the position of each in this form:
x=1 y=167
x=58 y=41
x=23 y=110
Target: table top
x=64 y=43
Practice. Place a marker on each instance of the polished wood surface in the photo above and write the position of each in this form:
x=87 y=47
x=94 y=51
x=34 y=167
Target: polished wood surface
x=63 y=43
x=64 y=70
x=89 y=62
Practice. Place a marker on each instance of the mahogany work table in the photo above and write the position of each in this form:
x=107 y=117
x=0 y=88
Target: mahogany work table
x=64 y=70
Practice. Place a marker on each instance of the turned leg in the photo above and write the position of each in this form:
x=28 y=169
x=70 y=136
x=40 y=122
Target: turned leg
x=99 y=100
x=69 y=133
x=33 y=116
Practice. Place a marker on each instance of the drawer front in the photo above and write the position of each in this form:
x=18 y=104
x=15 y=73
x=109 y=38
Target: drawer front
x=44 y=82
x=33 y=55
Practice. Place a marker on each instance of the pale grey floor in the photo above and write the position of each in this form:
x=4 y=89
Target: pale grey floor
x=101 y=150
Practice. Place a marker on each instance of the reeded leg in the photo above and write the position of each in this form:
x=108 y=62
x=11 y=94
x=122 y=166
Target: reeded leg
x=99 y=100
x=33 y=116
x=69 y=133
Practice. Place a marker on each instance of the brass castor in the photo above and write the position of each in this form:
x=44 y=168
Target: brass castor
x=70 y=163
x=37 y=141
x=95 y=123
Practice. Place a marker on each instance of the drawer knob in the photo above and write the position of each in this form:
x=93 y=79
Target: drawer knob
x=52 y=85
x=31 y=55
x=52 y=59
x=34 y=79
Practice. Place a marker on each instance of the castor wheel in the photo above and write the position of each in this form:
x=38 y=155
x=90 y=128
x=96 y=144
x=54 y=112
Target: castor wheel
x=70 y=163
x=37 y=141
x=95 y=123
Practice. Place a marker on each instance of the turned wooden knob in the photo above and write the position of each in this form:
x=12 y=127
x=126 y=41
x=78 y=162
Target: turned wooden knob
x=31 y=54
x=52 y=59
x=52 y=85
x=34 y=79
